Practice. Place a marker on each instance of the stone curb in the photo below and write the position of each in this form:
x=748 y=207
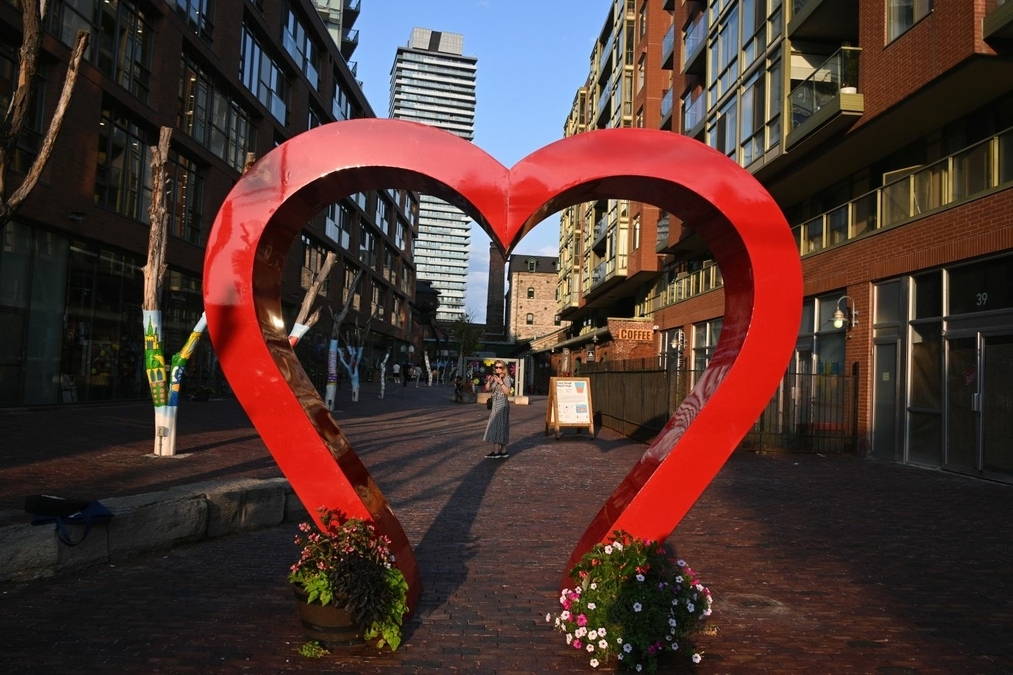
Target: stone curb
x=148 y=522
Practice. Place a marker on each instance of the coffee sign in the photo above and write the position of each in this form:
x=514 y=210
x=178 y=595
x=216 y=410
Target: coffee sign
x=636 y=334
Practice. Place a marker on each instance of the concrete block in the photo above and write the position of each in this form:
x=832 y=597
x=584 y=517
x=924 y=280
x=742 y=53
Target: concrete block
x=27 y=551
x=155 y=520
x=519 y=400
x=93 y=549
x=241 y=505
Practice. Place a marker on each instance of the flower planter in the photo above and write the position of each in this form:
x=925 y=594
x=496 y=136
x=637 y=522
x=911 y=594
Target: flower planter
x=329 y=625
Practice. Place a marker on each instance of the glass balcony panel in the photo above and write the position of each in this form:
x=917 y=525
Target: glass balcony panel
x=972 y=171
x=896 y=202
x=930 y=187
x=668 y=42
x=863 y=214
x=666 y=103
x=692 y=112
x=694 y=37
x=812 y=235
x=837 y=225
x=1006 y=157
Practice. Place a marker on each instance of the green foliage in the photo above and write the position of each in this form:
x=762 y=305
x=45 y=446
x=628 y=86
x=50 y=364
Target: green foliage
x=312 y=650
x=348 y=563
x=633 y=602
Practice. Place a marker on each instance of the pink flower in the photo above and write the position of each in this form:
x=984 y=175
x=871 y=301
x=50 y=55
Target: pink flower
x=576 y=644
x=581 y=620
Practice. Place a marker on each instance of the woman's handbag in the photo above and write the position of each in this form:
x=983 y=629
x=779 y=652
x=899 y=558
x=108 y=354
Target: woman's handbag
x=64 y=512
x=488 y=403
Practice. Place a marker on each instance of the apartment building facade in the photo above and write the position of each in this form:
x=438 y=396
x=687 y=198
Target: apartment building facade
x=882 y=129
x=229 y=77
x=433 y=82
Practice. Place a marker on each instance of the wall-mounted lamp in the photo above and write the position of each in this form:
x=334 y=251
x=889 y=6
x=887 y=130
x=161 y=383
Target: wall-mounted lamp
x=848 y=315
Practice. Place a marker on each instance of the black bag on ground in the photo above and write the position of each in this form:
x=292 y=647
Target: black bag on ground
x=64 y=512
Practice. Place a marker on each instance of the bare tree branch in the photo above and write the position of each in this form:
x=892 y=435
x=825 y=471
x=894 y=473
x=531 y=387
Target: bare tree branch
x=158 y=235
x=9 y=139
x=319 y=278
x=339 y=318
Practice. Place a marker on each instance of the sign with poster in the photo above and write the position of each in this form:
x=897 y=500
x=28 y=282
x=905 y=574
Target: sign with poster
x=569 y=405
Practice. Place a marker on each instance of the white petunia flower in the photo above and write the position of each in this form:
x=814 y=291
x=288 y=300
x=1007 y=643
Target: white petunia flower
x=640 y=577
x=627 y=648
x=707 y=612
x=548 y=618
x=569 y=638
x=601 y=631
x=603 y=644
x=699 y=587
x=565 y=615
x=593 y=635
x=590 y=648
x=678 y=580
x=639 y=667
x=671 y=622
x=637 y=607
x=617 y=546
x=680 y=563
x=691 y=607
x=697 y=658
x=608 y=550
x=594 y=663
x=591 y=605
x=594 y=586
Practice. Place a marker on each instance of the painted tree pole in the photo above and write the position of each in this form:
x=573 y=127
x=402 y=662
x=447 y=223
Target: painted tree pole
x=351 y=365
x=383 y=374
x=164 y=386
x=331 y=392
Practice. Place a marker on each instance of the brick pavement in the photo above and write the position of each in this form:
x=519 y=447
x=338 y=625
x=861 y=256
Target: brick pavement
x=818 y=564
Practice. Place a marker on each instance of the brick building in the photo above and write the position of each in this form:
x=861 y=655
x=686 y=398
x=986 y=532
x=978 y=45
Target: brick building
x=882 y=128
x=531 y=297
x=229 y=77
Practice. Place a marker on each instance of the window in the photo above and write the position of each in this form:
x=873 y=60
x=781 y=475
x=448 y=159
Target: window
x=312 y=260
x=366 y=246
x=263 y=77
x=341 y=107
x=379 y=306
x=211 y=117
x=300 y=47
x=752 y=117
x=529 y=319
x=121 y=39
x=199 y=15
x=641 y=64
x=338 y=224
x=901 y=15
x=184 y=198
x=532 y=264
x=123 y=178
x=531 y=293
x=350 y=273
x=382 y=220
x=705 y=339
x=642 y=19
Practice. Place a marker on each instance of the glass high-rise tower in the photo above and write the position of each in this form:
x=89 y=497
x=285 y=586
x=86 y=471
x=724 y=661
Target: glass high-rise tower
x=433 y=82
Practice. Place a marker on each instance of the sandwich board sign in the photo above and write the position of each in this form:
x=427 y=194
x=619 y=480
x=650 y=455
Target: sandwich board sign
x=569 y=405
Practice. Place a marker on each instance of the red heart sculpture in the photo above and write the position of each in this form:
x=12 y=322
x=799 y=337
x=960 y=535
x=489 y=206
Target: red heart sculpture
x=736 y=217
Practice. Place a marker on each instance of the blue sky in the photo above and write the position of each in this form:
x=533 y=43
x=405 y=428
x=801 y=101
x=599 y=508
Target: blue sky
x=532 y=57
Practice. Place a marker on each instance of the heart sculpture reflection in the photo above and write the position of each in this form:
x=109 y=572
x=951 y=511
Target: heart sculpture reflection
x=735 y=216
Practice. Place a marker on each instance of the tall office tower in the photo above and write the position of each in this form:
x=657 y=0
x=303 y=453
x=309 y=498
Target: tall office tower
x=433 y=83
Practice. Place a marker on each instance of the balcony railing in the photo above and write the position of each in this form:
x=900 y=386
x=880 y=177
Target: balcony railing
x=352 y=5
x=826 y=83
x=692 y=112
x=969 y=173
x=688 y=285
x=668 y=46
x=694 y=38
x=666 y=103
x=599 y=230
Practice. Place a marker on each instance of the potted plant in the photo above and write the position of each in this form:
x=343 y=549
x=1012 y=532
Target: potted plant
x=632 y=602
x=346 y=584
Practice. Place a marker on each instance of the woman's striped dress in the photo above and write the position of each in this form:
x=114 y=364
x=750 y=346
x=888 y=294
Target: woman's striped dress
x=498 y=428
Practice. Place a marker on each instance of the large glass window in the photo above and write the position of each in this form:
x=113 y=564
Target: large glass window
x=902 y=14
x=313 y=258
x=338 y=224
x=341 y=106
x=121 y=41
x=123 y=178
x=705 y=339
x=263 y=77
x=199 y=15
x=982 y=286
x=214 y=119
x=752 y=118
x=185 y=198
x=300 y=47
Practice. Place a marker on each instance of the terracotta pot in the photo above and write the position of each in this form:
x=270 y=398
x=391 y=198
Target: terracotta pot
x=329 y=625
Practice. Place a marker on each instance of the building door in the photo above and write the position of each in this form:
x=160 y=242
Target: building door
x=979 y=404
x=885 y=404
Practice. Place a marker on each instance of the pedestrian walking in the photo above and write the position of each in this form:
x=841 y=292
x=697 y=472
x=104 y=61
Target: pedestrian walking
x=497 y=429
x=397 y=372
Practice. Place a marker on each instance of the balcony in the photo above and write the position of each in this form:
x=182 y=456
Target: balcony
x=666 y=109
x=688 y=285
x=351 y=11
x=827 y=101
x=668 y=48
x=693 y=116
x=349 y=41
x=693 y=60
x=662 y=241
x=973 y=172
x=607 y=274
x=598 y=239
x=998 y=21
x=824 y=21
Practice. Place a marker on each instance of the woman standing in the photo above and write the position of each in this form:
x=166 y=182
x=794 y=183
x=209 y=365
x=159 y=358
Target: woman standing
x=497 y=431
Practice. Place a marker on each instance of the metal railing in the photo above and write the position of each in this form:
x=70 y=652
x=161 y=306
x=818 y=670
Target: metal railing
x=694 y=38
x=824 y=84
x=977 y=169
x=807 y=413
